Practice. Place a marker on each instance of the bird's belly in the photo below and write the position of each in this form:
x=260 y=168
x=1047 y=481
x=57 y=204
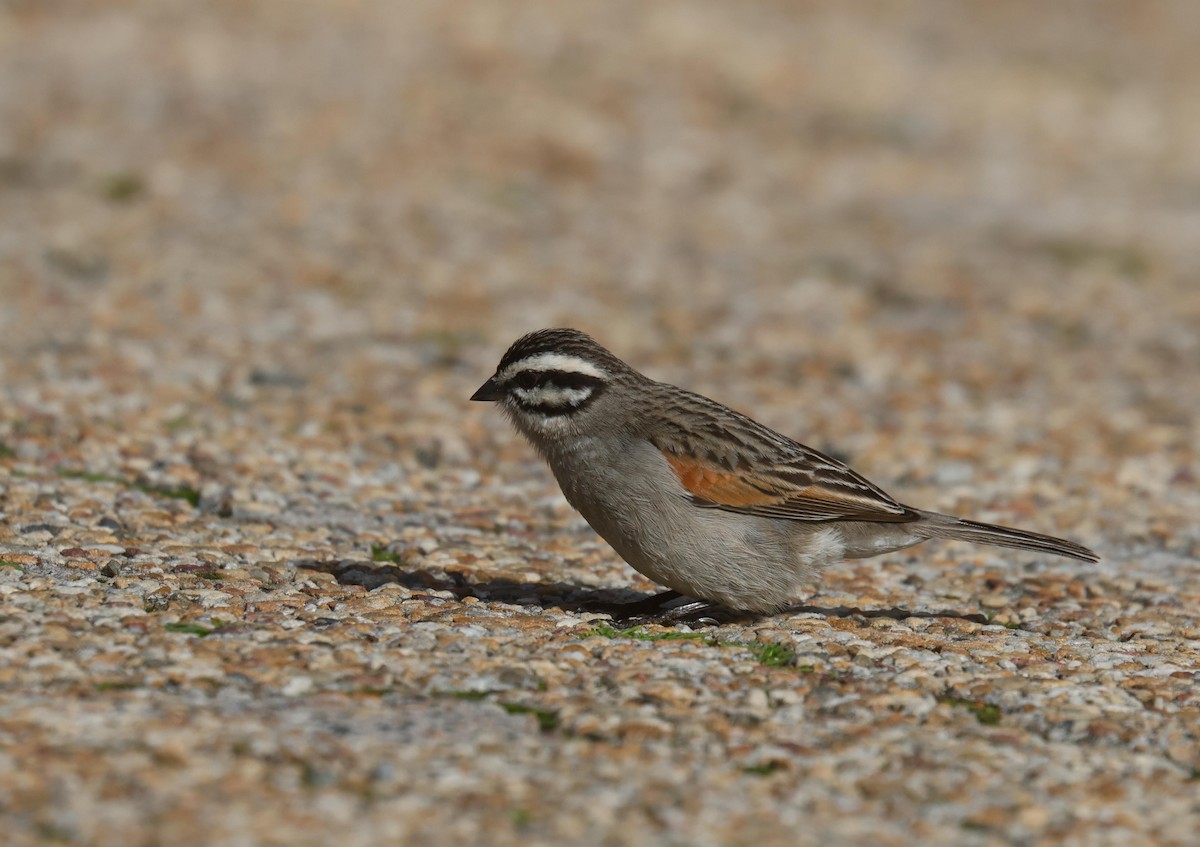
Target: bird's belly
x=631 y=497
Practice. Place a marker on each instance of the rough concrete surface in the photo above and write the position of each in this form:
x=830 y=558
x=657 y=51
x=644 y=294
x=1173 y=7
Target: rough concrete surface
x=266 y=578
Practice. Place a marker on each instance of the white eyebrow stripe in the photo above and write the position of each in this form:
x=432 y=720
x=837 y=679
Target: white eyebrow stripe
x=553 y=362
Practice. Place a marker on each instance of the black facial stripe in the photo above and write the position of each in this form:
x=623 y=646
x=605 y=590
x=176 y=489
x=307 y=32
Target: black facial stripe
x=555 y=379
x=565 y=381
x=551 y=411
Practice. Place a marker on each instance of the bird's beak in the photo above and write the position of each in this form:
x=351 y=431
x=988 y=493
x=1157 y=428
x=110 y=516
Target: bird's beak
x=488 y=391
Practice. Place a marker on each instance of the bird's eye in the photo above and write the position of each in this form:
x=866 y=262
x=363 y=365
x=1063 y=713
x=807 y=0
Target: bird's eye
x=528 y=379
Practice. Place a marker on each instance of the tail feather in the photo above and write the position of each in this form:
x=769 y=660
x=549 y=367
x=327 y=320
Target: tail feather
x=933 y=525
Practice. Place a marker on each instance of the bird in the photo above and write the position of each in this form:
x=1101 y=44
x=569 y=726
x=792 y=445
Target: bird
x=697 y=497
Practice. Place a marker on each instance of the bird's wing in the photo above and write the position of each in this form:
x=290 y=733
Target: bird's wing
x=805 y=486
x=725 y=460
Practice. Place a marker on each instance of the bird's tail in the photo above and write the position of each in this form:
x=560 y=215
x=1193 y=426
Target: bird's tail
x=934 y=525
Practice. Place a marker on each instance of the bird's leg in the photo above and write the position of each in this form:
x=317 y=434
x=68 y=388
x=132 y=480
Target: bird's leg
x=645 y=606
x=687 y=611
x=702 y=612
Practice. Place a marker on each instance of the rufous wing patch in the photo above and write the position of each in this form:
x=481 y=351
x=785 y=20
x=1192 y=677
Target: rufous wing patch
x=753 y=494
x=718 y=486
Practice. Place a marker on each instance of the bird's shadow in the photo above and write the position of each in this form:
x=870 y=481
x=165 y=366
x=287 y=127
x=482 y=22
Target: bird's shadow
x=617 y=602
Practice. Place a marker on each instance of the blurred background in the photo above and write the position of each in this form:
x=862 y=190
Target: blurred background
x=236 y=224
x=255 y=256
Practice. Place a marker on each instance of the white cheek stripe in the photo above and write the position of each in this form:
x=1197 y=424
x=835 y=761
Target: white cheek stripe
x=549 y=395
x=552 y=362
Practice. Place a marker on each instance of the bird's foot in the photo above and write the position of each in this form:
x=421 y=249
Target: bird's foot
x=701 y=612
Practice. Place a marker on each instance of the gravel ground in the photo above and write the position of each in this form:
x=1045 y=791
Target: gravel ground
x=266 y=578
